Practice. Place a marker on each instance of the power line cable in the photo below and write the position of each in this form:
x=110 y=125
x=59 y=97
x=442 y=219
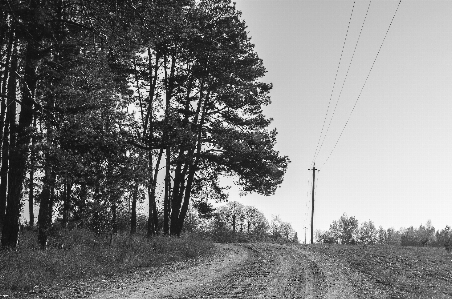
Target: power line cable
x=365 y=81
x=345 y=78
x=334 y=84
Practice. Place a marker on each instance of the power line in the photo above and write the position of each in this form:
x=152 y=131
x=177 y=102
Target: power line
x=334 y=84
x=365 y=81
x=346 y=76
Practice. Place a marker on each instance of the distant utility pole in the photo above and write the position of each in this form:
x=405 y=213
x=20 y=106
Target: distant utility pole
x=312 y=214
x=305 y=228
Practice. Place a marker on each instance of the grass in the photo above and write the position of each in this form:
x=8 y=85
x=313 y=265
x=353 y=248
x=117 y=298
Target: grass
x=398 y=272
x=80 y=254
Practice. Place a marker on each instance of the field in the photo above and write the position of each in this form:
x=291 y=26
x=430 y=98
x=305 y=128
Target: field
x=81 y=264
x=398 y=272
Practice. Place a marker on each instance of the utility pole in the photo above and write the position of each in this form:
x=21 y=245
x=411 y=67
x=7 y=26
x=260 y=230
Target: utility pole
x=312 y=214
x=305 y=228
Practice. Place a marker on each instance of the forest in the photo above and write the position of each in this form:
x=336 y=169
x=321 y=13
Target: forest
x=106 y=103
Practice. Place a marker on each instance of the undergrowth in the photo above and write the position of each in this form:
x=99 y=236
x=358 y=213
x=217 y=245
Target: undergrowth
x=80 y=254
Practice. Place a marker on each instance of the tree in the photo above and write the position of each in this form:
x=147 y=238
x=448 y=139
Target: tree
x=287 y=231
x=408 y=237
x=256 y=222
x=348 y=227
x=382 y=236
x=75 y=68
x=444 y=236
x=202 y=71
x=235 y=212
x=295 y=238
x=418 y=237
x=393 y=237
x=69 y=76
x=367 y=233
x=228 y=129
x=343 y=231
x=20 y=134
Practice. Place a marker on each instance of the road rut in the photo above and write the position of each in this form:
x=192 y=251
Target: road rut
x=260 y=270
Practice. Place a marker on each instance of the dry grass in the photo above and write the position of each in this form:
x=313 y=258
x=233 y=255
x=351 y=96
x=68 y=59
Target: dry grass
x=80 y=254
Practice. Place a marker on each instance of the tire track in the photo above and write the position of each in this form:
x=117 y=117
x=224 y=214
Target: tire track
x=271 y=271
x=258 y=270
x=249 y=280
x=336 y=283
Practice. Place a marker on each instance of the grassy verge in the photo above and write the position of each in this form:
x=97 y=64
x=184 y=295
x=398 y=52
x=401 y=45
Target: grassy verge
x=80 y=254
x=400 y=272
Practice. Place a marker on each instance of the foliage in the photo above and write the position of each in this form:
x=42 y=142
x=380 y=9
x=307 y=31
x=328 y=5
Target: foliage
x=281 y=230
x=367 y=233
x=418 y=237
x=444 y=237
x=343 y=231
x=235 y=222
x=347 y=231
x=109 y=91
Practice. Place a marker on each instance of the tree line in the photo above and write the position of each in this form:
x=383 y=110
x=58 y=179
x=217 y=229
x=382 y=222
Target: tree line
x=107 y=101
x=347 y=230
x=235 y=222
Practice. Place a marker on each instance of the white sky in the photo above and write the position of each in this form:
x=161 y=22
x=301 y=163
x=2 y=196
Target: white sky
x=393 y=163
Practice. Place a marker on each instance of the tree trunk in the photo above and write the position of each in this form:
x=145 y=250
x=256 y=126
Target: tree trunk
x=233 y=223
x=166 y=203
x=32 y=173
x=66 y=202
x=5 y=162
x=153 y=215
x=45 y=208
x=114 y=218
x=133 y=218
x=19 y=149
x=153 y=221
x=81 y=203
x=192 y=169
x=154 y=186
x=176 y=200
x=182 y=168
x=169 y=79
x=10 y=119
x=47 y=193
x=150 y=226
x=4 y=78
x=31 y=191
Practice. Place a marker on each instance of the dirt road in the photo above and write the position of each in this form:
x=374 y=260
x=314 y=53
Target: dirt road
x=247 y=271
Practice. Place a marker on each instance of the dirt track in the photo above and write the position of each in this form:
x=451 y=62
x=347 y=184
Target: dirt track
x=247 y=271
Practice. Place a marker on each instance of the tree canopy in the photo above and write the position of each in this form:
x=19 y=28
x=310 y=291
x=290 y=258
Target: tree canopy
x=98 y=98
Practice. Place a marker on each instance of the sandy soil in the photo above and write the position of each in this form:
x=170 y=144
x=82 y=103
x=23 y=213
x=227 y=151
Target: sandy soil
x=247 y=271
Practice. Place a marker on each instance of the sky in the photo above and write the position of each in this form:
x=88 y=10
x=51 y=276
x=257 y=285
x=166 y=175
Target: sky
x=392 y=164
